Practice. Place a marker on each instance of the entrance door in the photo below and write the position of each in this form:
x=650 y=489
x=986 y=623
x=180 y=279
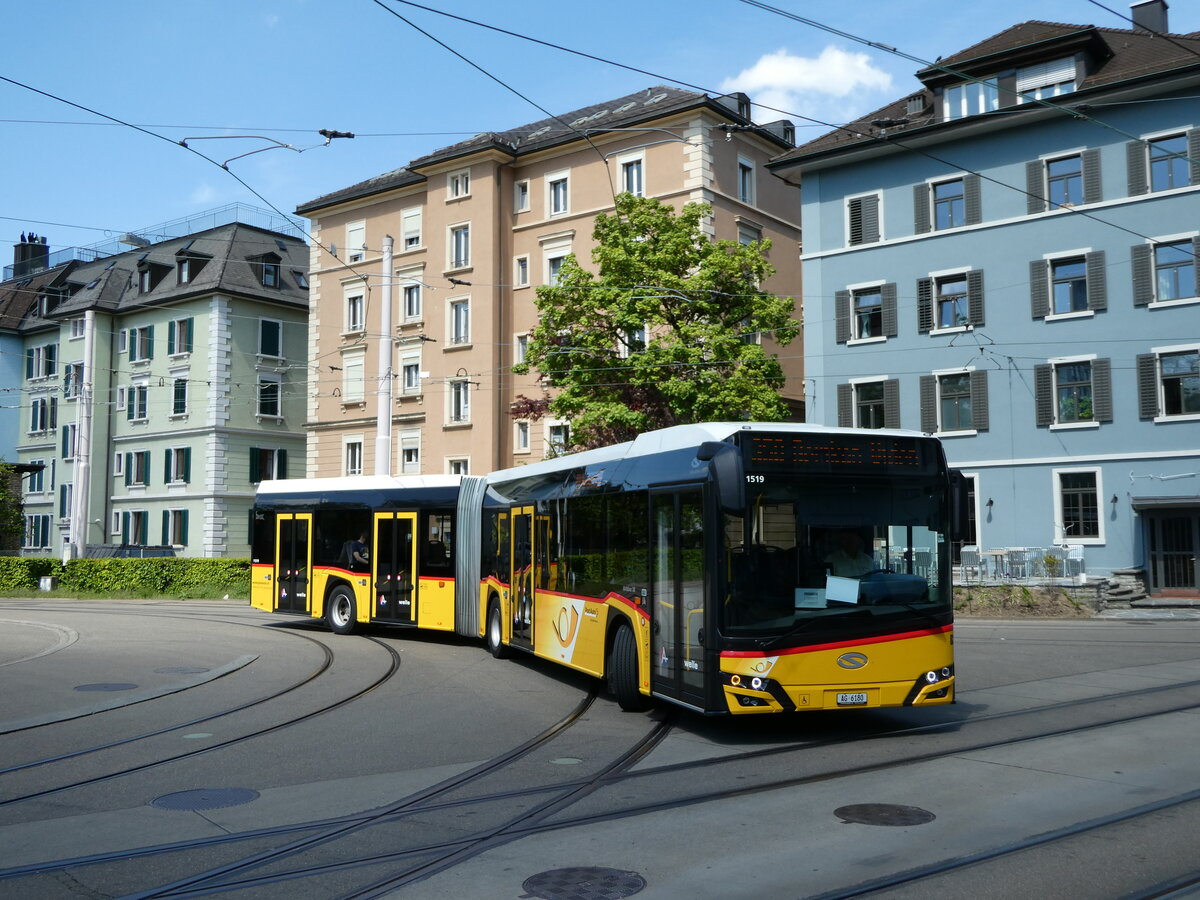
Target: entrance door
x=293 y=561
x=1174 y=542
x=678 y=596
x=393 y=564
x=522 y=576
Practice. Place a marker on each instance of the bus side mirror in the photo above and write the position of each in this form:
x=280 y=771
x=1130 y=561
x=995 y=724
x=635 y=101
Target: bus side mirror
x=960 y=496
x=725 y=465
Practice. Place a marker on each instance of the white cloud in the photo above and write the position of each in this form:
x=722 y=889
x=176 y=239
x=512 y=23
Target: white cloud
x=835 y=86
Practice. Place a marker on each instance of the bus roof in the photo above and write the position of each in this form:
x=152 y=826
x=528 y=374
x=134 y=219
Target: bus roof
x=349 y=483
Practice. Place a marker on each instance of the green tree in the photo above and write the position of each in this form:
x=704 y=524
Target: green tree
x=662 y=334
x=12 y=522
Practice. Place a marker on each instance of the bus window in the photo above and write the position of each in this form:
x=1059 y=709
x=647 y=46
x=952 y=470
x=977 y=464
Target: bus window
x=628 y=543
x=334 y=530
x=437 y=543
x=262 y=536
x=583 y=560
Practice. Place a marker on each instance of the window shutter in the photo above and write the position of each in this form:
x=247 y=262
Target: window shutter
x=146 y=464
x=51 y=359
x=1035 y=187
x=281 y=463
x=979 y=400
x=891 y=403
x=890 y=318
x=64 y=443
x=1097 y=283
x=845 y=403
x=929 y=412
x=972 y=198
x=975 y=296
x=1147 y=376
x=1143 y=274
x=924 y=305
x=255 y=470
x=125 y=528
x=1102 y=405
x=167 y=465
x=128 y=469
x=29 y=362
x=1043 y=393
x=172 y=327
x=1135 y=167
x=1196 y=266
x=166 y=529
x=53 y=413
x=149 y=342
x=191 y=334
x=1039 y=289
x=183 y=527
x=187 y=464
x=144 y=531
x=921 y=222
x=1193 y=144
x=1092 y=187
x=841 y=304
x=864 y=220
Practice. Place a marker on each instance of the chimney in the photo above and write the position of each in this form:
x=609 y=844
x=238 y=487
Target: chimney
x=31 y=255
x=1150 y=15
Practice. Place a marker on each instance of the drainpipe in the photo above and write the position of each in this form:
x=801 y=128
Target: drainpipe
x=80 y=507
x=383 y=395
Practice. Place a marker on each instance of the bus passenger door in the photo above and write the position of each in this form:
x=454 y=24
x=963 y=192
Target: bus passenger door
x=293 y=561
x=522 y=576
x=393 y=564
x=678 y=604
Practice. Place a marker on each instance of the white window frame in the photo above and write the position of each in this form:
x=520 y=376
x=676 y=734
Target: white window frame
x=454 y=260
x=458 y=402
x=553 y=272
x=78 y=327
x=268 y=378
x=521 y=195
x=863 y=287
x=138 y=397
x=409 y=446
x=1059 y=256
x=70 y=437
x=176 y=519
x=458 y=321
x=747 y=177
x=1159 y=353
x=855 y=383
x=122 y=397
x=354 y=320
x=176 y=378
x=521 y=271
x=1156 y=303
x=1045 y=79
x=174 y=475
x=354 y=376
x=138 y=337
x=410 y=373
x=356 y=241
x=118 y=463
x=551 y=447
x=411 y=282
x=262 y=322
x=1101 y=505
x=937 y=278
x=1056 y=361
x=35 y=481
x=938 y=374
x=628 y=163
x=521 y=440
x=349 y=444
x=847 y=201
x=458 y=184
x=458 y=465
x=558 y=201
x=411 y=225
x=520 y=347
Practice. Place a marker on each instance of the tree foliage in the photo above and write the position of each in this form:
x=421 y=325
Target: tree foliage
x=12 y=521
x=662 y=334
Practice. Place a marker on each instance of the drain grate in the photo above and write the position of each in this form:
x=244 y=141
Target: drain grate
x=106 y=686
x=205 y=798
x=884 y=814
x=583 y=883
x=181 y=670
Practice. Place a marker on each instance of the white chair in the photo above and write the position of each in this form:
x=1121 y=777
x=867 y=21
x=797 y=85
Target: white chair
x=1075 y=563
x=968 y=561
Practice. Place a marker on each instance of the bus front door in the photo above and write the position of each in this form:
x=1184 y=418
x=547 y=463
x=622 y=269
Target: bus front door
x=522 y=576
x=293 y=561
x=677 y=668
x=393 y=564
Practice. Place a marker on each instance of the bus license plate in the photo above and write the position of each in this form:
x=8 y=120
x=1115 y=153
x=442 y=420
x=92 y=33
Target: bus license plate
x=858 y=698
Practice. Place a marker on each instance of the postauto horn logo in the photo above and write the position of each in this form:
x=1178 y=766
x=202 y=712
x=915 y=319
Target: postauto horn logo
x=852 y=660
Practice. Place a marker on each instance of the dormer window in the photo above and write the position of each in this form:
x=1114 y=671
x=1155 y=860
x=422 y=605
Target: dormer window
x=971 y=99
x=267 y=269
x=149 y=275
x=1046 y=80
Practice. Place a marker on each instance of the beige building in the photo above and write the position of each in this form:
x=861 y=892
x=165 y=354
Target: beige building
x=475 y=227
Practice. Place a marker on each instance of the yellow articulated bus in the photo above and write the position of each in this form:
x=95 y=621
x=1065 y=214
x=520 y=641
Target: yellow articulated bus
x=726 y=567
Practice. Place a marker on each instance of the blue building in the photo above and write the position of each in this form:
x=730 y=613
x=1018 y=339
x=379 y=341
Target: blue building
x=1006 y=257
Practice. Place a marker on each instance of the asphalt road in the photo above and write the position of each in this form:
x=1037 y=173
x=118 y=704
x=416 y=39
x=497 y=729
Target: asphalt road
x=167 y=749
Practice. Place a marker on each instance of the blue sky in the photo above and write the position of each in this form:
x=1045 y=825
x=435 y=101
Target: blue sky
x=284 y=69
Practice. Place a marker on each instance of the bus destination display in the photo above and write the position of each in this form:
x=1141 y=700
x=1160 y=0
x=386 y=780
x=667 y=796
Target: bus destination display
x=835 y=453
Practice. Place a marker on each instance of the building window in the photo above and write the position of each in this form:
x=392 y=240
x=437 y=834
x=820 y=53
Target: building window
x=35 y=481
x=269 y=396
x=521 y=271
x=869 y=403
x=179 y=397
x=354 y=382
x=554 y=266
x=183 y=269
x=521 y=195
x=78 y=327
x=267 y=464
x=41 y=361
x=175 y=527
x=1174 y=271
x=1063 y=182
x=558 y=194
x=1046 y=80
x=410 y=370
x=410 y=453
x=868 y=313
x=460 y=321
x=119 y=464
x=66 y=495
x=631 y=177
x=412 y=302
x=137 y=468
x=141 y=343
x=863 y=219
x=745 y=180
x=37 y=532
x=458 y=184
x=460 y=402
x=458 y=466
x=630 y=341
x=72 y=380
x=135 y=527
x=1169 y=382
x=301 y=278
x=1068 y=286
x=354 y=457
x=950 y=301
x=521 y=437
x=43 y=415
x=962 y=100
x=356 y=241
x=520 y=348
x=70 y=436
x=1169 y=165
x=460 y=246
x=949 y=204
x=354 y=314
x=270 y=338
x=178 y=465
x=1072 y=390
x=269 y=270
x=1078 y=502
x=954 y=401
x=180 y=334
x=558 y=438
x=137 y=403
x=410 y=228
x=747 y=233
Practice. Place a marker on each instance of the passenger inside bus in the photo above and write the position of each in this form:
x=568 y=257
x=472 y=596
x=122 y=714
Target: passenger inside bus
x=354 y=554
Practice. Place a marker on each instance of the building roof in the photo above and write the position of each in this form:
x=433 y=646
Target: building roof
x=1115 y=56
x=18 y=296
x=223 y=259
x=623 y=112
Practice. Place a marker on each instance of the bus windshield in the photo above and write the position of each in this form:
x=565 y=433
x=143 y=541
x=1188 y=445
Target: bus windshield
x=808 y=550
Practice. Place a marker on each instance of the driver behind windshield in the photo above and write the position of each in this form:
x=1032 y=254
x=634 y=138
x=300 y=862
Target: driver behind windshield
x=848 y=559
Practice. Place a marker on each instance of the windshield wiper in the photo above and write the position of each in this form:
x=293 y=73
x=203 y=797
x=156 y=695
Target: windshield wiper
x=771 y=643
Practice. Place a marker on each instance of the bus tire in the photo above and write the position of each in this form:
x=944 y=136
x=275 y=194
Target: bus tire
x=340 y=610
x=495 y=632
x=623 y=671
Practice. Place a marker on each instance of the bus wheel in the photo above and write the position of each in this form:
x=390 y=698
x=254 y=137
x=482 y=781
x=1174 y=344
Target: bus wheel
x=495 y=632
x=623 y=671
x=340 y=611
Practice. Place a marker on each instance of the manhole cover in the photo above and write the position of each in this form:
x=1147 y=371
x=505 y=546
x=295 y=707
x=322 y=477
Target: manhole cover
x=205 y=798
x=106 y=686
x=884 y=814
x=181 y=670
x=583 y=883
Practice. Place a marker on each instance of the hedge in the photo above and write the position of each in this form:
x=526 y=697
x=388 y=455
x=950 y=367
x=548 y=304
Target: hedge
x=159 y=577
